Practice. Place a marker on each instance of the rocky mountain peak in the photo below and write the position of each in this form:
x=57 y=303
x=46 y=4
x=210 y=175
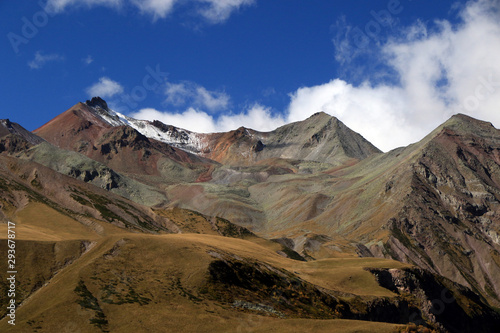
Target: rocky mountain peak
x=241 y=131
x=464 y=123
x=6 y=123
x=320 y=114
x=97 y=102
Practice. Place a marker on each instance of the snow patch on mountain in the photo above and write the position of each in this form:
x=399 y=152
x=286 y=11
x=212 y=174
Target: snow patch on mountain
x=176 y=137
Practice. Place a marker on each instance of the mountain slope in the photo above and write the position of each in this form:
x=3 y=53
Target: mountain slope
x=24 y=145
x=87 y=128
x=450 y=220
x=318 y=190
x=25 y=183
x=203 y=283
x=7 y=128
x=433 y=204
x=320 y=138
x=15 y=138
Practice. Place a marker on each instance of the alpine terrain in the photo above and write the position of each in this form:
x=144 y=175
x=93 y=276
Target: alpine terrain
x=126 y=225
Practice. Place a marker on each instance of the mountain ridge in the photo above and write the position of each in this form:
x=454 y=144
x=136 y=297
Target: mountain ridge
x=318 y=190
x=279 y=143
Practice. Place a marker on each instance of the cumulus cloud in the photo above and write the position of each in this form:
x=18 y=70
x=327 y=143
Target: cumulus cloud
x=214 y=11
x=179 y=94
x=104 y=88
x=377 y=113
x=442 y=69
x=41 y=59
x=257 y=117
x=218 y=11
x=191 y=119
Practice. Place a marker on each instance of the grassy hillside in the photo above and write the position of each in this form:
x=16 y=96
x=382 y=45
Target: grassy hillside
x=80 y=280
x=138 y=283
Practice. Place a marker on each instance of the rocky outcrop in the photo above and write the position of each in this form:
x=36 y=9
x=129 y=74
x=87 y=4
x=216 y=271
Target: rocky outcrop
x=450 y=220
x=421 y=298
x=443 y=304
x=97 y=102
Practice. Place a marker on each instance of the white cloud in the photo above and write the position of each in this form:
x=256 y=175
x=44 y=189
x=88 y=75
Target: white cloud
x=256 y=117
x=214 y=11
x=443 y=70
x=104 y=88
x=377 y=113
x=88 y=60
x=41 y=59
x=156 y=8
x=179 y=94
x=218 y=11
x=191 y=119
x=212 y=100
x=58 y=6
x=347 y=44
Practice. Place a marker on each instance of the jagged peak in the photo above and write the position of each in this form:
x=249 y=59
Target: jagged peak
x=6 y=123
x=97 y=102
x=242 y=129
x=98 y=107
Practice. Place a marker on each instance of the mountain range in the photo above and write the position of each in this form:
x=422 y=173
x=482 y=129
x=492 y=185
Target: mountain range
x=134 y=225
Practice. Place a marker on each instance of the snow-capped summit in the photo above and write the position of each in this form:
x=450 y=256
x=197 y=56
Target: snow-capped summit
x=157 y=130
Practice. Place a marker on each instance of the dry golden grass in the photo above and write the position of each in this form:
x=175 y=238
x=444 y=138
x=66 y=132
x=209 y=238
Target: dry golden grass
x=168 y=270
x=40 y=222
x=341 y=274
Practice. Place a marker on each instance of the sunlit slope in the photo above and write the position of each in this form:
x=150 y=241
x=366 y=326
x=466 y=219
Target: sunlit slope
x=158 y=279
x=129 y=282
x=155 y=283
x=434 y=204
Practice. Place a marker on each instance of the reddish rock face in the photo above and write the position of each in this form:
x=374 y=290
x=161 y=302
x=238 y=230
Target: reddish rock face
x=73 y=128
x=82 y=129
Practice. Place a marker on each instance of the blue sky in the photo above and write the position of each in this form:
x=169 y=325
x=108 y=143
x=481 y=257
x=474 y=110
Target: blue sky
x=391 y=70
